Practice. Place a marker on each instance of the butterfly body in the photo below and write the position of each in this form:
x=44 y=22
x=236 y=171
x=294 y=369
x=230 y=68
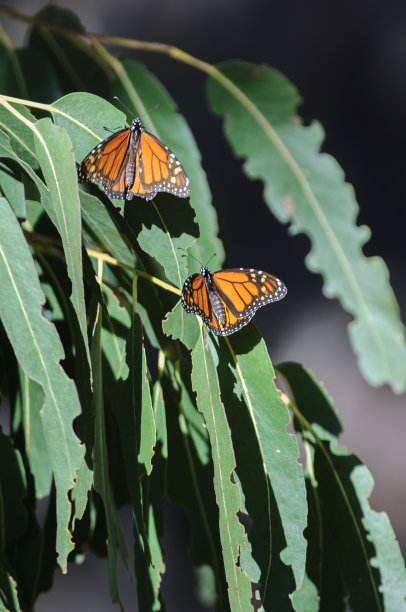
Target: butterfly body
x=134 y=162
x=228 y=299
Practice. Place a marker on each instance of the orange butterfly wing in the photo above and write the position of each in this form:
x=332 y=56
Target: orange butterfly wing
x=134 y=162
x=106 y=163
x=246 y=290
x=228 y=299
x=158 y=168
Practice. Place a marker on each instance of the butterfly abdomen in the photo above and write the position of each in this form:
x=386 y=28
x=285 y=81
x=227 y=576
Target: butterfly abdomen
x=215 y=302
x=130 y=169
x=218 y=307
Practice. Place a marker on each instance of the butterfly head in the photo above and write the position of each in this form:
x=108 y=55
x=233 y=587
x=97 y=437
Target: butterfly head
x=136 y=124
x=205 y=273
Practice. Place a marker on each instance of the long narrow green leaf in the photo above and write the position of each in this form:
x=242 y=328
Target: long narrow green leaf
x=126 y=357
x=80 y=492
x=32 y=400
x=39 y=351
x=6 y=150
x=147 y=426
x=12 y=188
x=190 y=455
x=368 y=555
x=205 y=383
x=21 y=136
x=307 y=189
x=271 y=477
x=157 y=489
x=57 y=164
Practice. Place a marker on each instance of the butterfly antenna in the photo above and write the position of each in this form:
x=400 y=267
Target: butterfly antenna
x=148 y=112
x=124 y=105
x=112 y=130
x=214 y=255
x=132 y=113
x=186 y=254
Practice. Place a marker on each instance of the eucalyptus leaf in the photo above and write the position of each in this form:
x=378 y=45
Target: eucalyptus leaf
x=367 y=554
x=307 y=189
x=228 y=497
x=270 y=475
x=38 y=349
x=32 y=400
x=55 y=157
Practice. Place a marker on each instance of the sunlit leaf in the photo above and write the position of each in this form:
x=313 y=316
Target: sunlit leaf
x=270 y=475
x=39 y=351
x=55 y=157
x=204 y=380
x=307 y=189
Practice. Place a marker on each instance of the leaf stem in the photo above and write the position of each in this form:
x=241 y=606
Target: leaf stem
x=115 y=262
x=51 y=244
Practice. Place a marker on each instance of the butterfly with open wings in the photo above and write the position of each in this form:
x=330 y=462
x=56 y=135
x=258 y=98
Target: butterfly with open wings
x=133 y=162
x=228 y=299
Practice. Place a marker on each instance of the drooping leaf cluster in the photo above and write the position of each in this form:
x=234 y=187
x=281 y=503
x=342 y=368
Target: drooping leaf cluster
x=117 y=397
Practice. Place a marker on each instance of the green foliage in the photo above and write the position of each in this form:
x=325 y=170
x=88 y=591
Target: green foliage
x=345 y=531
x=307 y=189
x=118 y=397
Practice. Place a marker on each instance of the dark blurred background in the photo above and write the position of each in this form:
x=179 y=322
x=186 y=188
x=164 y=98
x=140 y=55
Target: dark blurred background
x=348 y=60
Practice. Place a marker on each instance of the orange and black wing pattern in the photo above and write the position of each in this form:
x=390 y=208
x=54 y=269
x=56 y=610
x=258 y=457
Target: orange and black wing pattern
x=107 y=162
x=134 y=162
x=159 y=169
x=228 y=299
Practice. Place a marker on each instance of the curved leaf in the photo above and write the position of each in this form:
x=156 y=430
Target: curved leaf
x=307 y=189
x=205 y=383
x=39 y=351
x=11 y=135
x=271 y=477
x=12 y=188
x=366 y=550
x=21 y=136
x=31 y=400
x=55 y=157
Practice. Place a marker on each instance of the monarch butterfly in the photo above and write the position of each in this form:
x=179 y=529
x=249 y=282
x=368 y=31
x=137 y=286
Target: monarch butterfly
x=134 y=162
x=228 y=299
